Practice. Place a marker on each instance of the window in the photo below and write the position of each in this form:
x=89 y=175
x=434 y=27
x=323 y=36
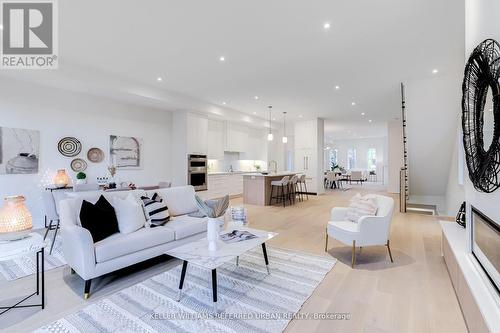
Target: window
x=351 y=158
x=372 y=159
x=333 y=157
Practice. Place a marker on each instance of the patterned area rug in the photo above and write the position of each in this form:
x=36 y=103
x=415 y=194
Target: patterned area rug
x=246 y=289
x=26 y=265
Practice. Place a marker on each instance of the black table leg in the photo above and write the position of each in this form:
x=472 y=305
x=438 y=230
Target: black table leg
x=183 y=275
x=38 y=273
x=214 y=288
x=264 y=250
x=43 y=278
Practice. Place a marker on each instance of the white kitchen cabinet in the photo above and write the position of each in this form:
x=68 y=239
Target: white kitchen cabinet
x=197 y=132
x=256 y=147
x=236 y=137
x=306 y=163
x=215 y=139
x=306 y=134
x=220 y=185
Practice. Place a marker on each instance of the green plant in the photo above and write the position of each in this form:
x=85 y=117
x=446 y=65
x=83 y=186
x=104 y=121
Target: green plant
x=81 y=175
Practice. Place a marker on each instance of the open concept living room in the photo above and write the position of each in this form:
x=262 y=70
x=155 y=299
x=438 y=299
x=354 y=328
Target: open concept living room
x=250 y=166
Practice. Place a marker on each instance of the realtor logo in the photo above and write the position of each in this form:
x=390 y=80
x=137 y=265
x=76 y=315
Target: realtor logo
x=29 y=35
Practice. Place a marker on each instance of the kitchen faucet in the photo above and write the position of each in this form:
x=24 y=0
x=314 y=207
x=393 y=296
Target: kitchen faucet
x=275 y=164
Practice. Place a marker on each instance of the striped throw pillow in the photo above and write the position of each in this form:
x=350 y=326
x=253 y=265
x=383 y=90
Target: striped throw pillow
x=155 y=210
x=361 y=206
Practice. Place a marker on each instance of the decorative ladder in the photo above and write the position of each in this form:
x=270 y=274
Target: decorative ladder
x=404 y=182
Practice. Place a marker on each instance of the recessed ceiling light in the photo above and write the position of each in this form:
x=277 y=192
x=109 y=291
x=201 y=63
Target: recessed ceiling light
x=300 y=116
x=490 y=110
x=353 y=103
x=274 y=118
x=370 y=121
x=223 y=103
x=222 y=58
x=326 y=25
x=159 y=79
x=362 y=113
x=337 y=87
x=256 y=97
x=435 y=71
x=254 y=112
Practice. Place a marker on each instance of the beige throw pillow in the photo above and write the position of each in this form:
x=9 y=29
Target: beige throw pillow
x=361 y=206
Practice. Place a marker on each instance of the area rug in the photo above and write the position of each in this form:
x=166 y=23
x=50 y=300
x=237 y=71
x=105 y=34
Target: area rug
x=249 y=300
x=26 y=265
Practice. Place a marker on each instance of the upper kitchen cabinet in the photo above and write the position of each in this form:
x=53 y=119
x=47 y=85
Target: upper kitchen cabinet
x=215 y=139
x=236 y=137
x=256 y=148
x=197 y=130
x=306 y=134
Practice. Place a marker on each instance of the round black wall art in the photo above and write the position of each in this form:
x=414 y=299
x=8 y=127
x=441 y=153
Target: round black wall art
x=69 y=146
x=481 y=77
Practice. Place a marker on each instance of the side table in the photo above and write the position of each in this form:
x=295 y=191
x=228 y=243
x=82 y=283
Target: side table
x=34 y=243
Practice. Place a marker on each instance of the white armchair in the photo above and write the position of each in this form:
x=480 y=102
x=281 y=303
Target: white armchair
x=369 y=231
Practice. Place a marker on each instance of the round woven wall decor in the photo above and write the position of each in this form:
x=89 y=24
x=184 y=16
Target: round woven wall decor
x=69 y=146
x=482 y=72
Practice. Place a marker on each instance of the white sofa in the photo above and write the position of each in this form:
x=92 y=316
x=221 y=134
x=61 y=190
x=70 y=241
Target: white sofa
x=91 y=260
x=368 y=231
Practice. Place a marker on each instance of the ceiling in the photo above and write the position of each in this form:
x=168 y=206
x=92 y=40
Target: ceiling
x=276 y=50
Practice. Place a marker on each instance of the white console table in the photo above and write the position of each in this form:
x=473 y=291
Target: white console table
x=479 y=301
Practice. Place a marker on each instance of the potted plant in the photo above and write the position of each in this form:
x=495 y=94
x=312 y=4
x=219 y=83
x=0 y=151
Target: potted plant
x=81 y=178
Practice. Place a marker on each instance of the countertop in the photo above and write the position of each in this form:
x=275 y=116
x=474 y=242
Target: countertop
x=227 y=173
x=272 y=174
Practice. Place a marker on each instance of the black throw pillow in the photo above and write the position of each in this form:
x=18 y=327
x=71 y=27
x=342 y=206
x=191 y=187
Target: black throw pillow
x=99 y=219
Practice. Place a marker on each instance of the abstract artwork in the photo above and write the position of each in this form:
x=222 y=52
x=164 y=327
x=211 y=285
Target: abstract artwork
x=19 y=151
x=481 y=116
x=125 y=152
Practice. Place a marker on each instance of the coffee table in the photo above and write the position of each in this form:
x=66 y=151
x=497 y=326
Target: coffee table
x=197 y=253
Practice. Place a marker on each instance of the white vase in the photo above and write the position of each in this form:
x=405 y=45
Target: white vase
x=81 y=181
x=213 y=231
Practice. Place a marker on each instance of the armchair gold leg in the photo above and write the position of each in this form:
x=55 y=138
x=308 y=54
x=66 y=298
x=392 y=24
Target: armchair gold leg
x=353 y=253
x=389 y=249
x=86 y=296
x=326 y=243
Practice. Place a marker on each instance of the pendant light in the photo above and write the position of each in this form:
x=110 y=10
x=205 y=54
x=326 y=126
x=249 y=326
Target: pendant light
x=270 y=136
x=284 y=139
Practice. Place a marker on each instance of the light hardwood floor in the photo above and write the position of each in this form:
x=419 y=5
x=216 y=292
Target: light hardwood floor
x=414 y=294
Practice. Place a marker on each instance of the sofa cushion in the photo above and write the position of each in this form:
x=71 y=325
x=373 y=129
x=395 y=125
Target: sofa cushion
x=129 y=213
x=185 y=226
x=120 y=244
x=99 y=219
x=361 y=206
x=180 y=200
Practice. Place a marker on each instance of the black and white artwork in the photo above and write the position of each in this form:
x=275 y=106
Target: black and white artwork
x=19 y=151
x=125 y=152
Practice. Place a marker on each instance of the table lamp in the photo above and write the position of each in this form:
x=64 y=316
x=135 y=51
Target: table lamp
x=15 y=219
x=61 y=179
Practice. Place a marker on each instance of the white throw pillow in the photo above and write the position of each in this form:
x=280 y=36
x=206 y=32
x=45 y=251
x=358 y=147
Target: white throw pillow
x=129 y=214
x=361 y=206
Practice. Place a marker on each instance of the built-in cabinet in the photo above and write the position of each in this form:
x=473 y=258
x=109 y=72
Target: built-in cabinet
x=308 y=142
x=220 y=185
x=256 y=146
x=236 y=137
x=306 y=163
x=197 y=130
x=216 y=139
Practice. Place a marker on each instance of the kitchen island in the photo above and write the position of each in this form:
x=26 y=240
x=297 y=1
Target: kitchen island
x=257 y=187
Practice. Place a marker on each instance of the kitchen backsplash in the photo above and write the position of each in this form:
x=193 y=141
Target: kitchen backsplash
x=233 y=160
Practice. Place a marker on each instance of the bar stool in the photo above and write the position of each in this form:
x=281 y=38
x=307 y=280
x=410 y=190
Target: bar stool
x=303 y=190
x=283 y=184
x=292 y=188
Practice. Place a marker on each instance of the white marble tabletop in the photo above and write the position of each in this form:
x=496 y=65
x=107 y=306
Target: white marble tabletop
x=197 y=252
x=12 y=249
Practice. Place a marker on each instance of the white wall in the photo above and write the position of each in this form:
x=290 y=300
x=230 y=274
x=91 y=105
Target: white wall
x=482 y=22
x=361 y=146
x=394 y=154
x=58 y=113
